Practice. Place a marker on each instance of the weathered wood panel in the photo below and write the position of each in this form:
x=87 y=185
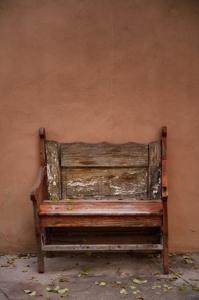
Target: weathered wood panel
x=104 y=247
x=93 y=200
x=154 y=177
x=104 y=155
x=80 y=182
x=53 y=170
x=100 y=221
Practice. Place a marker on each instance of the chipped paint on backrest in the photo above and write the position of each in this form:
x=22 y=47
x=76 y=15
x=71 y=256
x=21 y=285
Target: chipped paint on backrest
x=103 y=169
x=53 y=170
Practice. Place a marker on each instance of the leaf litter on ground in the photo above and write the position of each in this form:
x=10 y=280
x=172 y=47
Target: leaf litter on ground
x=138 y=281
x=33 y=293
x=196 y=288
x=57 y=289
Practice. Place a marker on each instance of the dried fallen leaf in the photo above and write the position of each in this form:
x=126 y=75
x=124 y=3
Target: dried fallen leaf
x=136 y=292
x=55 y=200
x=176 y=273
x=189 y=261
x=172 y=254
x=123 y=291
x=53 y=207
x=182 y=288
x=102 y=283
x=34 y=293
x=173 y=279
x=64 y=279
x=196 y=288
x=155 y=287
x=63 y=291
x=138 y=281
x=70 y=201
x=86 y=270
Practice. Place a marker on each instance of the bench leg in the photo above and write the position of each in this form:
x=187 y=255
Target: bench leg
x=165 y=239
x=40 y=257
x=165 y=257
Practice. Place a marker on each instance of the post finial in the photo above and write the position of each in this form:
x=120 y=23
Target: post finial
x=42 y=133
x=164 y=131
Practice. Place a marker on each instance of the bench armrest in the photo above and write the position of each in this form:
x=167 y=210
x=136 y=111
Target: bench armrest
x=37 y=192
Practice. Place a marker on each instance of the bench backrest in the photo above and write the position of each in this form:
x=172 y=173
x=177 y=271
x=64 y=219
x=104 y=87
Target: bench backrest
x=79 y=170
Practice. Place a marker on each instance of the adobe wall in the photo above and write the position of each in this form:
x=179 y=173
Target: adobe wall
x=94 y=71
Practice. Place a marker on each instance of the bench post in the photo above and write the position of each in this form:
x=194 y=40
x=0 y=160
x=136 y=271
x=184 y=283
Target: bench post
x=40 y=256
x=164 y=200
x=43 y=162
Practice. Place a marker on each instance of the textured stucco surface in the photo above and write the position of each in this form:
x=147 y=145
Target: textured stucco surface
x=94 y=71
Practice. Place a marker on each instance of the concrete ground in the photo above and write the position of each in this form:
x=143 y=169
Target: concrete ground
x=99 y=276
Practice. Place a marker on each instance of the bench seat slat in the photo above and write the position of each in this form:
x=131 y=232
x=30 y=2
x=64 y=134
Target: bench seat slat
x=100 y=221
x=104 y=247
x=101 y=200
x=104 y=209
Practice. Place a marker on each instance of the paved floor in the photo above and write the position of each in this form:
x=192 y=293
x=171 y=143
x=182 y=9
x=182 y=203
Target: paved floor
x=99 y=276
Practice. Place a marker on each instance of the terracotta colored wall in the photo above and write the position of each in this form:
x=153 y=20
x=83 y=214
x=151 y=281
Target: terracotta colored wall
x=107 y=70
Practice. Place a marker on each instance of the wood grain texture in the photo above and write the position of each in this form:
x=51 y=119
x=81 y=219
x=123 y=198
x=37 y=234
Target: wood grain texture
x=37 y=192
x=95 y=208
x=103 y=247
x=100 y=221
x=79 y=182
x=164 y=163
x=154 y=177
x=104 y=155
x=53 y=170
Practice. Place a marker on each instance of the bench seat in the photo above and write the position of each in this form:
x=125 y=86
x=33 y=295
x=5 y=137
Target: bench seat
x=96 y=213
x=103 y=208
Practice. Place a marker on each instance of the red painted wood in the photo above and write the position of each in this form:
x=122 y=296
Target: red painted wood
x=134 y=208
x=100 y=221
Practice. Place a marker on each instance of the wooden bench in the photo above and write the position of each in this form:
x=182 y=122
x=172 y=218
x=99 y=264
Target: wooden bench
x=114 y=186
